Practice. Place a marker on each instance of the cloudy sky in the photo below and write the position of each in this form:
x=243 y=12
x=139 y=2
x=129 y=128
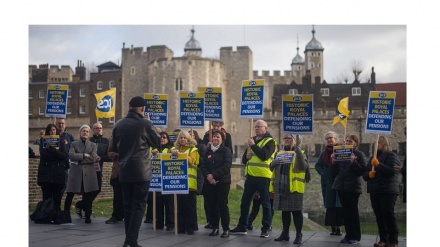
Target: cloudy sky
x=413 y=59
x=274 y=46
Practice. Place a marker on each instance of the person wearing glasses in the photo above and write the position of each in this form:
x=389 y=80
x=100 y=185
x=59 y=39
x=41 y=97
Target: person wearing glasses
x=348 y=184
x=164 y=203
x=289 y=180
x=257 y=159
x=333 y=213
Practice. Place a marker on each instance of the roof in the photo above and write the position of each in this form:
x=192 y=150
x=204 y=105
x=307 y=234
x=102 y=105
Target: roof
x=398 y=87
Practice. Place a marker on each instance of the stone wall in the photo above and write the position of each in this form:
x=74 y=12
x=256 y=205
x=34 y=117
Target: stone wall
x=35 y=194
x=313 y=204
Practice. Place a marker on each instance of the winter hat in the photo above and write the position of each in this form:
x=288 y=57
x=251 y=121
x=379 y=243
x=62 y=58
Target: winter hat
x=137 y=102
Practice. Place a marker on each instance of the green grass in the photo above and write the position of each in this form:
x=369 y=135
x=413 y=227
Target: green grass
x=104 y=208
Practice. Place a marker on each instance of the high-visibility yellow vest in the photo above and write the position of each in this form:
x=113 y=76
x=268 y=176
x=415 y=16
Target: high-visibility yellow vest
x=257 y=167
x=192 y=168
x=297 y=178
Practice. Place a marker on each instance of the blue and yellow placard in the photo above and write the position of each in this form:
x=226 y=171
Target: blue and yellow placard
x=342 y=152
x=213 y=103
x=286 y=157
x=56 y=101
x=173 y=136
x=157 y=107
x=51 y=141
x=298 y=114
x=174 y=173
x=156 y=174
x=380 y=112
x=252 y=98
x=192 y=109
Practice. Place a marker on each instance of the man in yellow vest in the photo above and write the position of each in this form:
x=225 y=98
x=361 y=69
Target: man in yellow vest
x=257 y=159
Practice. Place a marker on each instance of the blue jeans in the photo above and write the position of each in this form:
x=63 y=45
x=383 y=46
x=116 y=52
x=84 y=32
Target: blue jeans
x=135 y=200
x=251 y=185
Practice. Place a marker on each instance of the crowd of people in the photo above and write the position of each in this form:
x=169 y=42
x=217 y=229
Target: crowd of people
x=275 y=178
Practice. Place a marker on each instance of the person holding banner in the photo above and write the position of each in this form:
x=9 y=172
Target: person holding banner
x=383 y=186
x=216 y=168
x=257 y=159
x=52 y=171
x=289 y=180
x=164 y=203
x=348 y=184
x=333 y=213
x=187 y=203
x=133 y=136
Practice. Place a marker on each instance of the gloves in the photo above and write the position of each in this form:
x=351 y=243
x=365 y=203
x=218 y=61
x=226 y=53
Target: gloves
x=276 y=162
x=375 y=162
x=372 y=174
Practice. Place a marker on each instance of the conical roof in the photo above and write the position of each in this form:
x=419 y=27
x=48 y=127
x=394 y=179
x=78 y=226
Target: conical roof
x=314 y=44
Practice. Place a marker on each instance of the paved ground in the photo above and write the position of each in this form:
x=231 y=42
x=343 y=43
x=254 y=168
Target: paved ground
x=99 y=234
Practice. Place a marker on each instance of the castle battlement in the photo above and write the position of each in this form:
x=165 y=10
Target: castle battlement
x=275 y=73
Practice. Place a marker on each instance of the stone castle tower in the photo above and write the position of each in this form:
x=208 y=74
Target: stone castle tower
x=156 y=70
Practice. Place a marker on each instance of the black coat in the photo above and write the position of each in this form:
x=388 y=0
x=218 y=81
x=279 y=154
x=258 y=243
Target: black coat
x=132 y=138
x=349 y=176
x=386 y=180
x=218 y=164
x=52 y=167
x=102 y=144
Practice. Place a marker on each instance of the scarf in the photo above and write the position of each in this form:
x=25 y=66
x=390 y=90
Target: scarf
x=214 y=148
x=326 y=155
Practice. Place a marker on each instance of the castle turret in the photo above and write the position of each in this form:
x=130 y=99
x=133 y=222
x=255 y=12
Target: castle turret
x=297 y=64
x=314 y=55
x=192 y=47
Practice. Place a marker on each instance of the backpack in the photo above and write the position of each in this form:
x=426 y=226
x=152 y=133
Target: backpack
x=44 y=212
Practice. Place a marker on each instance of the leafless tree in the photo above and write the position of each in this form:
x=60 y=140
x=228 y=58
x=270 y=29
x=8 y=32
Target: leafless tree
x=357 y=67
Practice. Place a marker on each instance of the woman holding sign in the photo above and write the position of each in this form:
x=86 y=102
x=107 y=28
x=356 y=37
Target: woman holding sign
x=383 y=186
x=52 y=172
x=289 y=173
x=187 y=203
x=348 y=184
x=164 y=203
x=216 y=168
x=333 y=213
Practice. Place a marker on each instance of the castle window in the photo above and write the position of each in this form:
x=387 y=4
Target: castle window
x=313 y=65
x=111 y=84
x=319 y=65
x=313 y=54
x=325 y=92
x=68 y=110
x=42 y=93
x=31 y=95
x=319 y=54
x=82 y=109
x=299 y=67
x=132 y=70
x=82 y=92
x=111 y=120
x=356 y=91
x=69 y=93
x=99 y=85
x=31 y=111
x=41 y=110
x=293 y=91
